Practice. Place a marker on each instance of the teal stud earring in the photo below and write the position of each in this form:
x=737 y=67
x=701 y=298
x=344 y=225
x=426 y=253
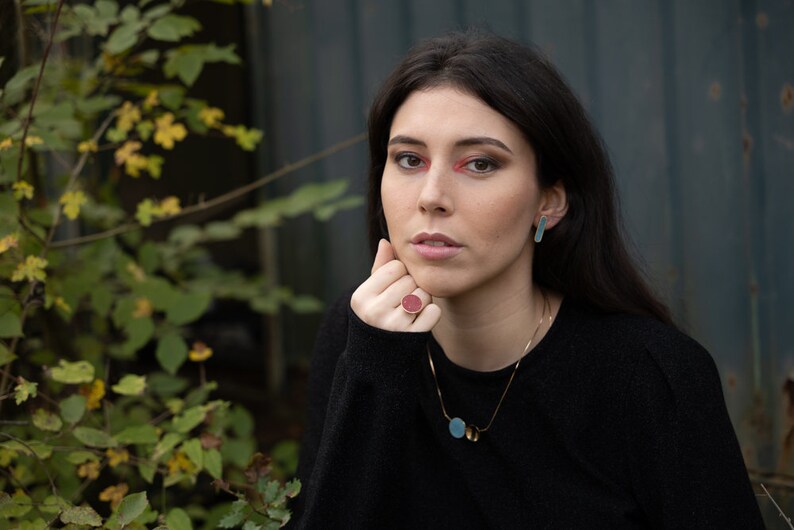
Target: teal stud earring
x=541 y=228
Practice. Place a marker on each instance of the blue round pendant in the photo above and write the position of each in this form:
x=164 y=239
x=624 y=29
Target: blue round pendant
x=457 y=428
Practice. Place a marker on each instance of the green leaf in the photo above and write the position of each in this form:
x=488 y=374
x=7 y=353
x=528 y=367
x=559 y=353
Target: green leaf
x=29 y=448
x=14 y=505
x=251 y=525
x=168 y=442
x=325 y=212
x=138 y=434
x=94 y=437
x=10 y=325
x=25 y=389
x=123 y=38
x=171 y=96
x=178 y=519
x=96 y=104
x=305 y=304
x=80 y=457
x=186 y=62
x=166 y=385
x=235 y=516
x=189 y=419
x=242 y=421
x=173 y=28
x=53 y=504
x=171 y=352
x=73 y=408
x=47 y=421
x=147 y=471
x=130 y=385
x=15 y=88
x=5 y=355
x=192 y=449
x=185 y=235
x=73 y=373
x=222 y=230
x=188 y=307
x=139 y=331
x=213 y=463
x=81 y=515
x=131 y=507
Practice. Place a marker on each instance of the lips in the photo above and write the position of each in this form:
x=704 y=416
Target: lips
x=435 y=246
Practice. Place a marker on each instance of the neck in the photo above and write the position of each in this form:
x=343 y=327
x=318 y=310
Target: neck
x=484 y=332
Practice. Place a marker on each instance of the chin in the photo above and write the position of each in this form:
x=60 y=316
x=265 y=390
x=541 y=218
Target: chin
x=436 y=283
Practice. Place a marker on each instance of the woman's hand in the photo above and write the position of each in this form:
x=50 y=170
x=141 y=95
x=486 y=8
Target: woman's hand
x=377 y=301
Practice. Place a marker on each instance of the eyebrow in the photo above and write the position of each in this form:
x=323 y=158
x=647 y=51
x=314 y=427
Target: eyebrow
x=476 y=140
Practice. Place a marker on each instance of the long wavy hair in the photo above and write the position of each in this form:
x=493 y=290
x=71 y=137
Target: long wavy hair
x=585 y=255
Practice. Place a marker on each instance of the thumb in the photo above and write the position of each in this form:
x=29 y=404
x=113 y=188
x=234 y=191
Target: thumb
x=384 y=255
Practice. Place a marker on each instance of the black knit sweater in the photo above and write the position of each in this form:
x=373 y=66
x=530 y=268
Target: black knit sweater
x=612 y=421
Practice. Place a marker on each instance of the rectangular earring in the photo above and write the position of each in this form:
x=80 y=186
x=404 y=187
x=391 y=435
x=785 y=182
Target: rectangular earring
x=541 y=228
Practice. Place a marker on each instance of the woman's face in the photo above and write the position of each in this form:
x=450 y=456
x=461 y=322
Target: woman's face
x=459 y=194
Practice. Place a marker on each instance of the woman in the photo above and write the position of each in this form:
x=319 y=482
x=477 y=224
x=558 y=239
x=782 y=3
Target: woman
x=505 y=365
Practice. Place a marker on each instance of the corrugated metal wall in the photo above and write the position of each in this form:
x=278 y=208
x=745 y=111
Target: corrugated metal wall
x=694 y=99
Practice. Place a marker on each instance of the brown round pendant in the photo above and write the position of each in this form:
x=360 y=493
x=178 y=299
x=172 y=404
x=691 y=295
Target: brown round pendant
x=472 y=433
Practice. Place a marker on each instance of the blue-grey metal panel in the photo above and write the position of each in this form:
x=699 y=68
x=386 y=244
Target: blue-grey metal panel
x=696 y=104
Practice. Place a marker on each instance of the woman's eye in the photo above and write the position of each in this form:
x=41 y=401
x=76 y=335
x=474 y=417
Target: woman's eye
x=481 y=165
x=409 y=161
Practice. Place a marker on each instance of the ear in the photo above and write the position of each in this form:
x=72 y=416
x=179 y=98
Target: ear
x=553 y=204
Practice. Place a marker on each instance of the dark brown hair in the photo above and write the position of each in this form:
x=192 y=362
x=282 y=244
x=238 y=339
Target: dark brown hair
x=584 y=256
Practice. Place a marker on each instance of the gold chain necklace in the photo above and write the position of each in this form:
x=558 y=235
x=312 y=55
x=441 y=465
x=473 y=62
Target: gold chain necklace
x=457 y=427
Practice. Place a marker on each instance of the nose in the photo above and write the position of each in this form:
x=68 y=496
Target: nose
x=435 y=195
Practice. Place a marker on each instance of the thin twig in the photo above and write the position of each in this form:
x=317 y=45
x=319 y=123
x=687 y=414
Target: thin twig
x=233 y=194
x=40 y=461
x=783 y=515
x=36 y=89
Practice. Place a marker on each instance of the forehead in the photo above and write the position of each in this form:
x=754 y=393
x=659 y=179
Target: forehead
x=446 y=111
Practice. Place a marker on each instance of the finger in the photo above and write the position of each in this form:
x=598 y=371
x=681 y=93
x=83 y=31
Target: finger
x=427 y=319
x=384 y=255
x=393 y=294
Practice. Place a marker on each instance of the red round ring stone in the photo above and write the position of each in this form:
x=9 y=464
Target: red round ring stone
x=411 y=303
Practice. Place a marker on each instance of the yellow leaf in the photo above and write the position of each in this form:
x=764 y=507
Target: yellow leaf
x=88 y=470
x=93 y=392
x=114 y=494
x=180 y=462
x=125 y=151
x=143 y=308
x=211 y=116
x=135 y=164
x=151 y=100
x=87 y=146
x=136 y=272
x=267 y=3
x=168 y=132
x=72 y=201
x=117 y=457
x=32 y=269
x=22 y=190
x=169 y=206
x=155 y=166
x=61 y=303
x=6 y=144
x=9 y=241
x=30 y=141
x=200 y=352
x=127 y=116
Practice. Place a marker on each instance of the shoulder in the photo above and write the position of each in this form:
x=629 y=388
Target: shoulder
x=651 y=353
x=332 y=335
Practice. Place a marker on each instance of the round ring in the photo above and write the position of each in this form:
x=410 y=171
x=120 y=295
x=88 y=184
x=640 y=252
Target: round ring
x=411 y=303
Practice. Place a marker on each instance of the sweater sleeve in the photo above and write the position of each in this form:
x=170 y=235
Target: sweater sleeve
x=686 y=466
x=363 y=401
